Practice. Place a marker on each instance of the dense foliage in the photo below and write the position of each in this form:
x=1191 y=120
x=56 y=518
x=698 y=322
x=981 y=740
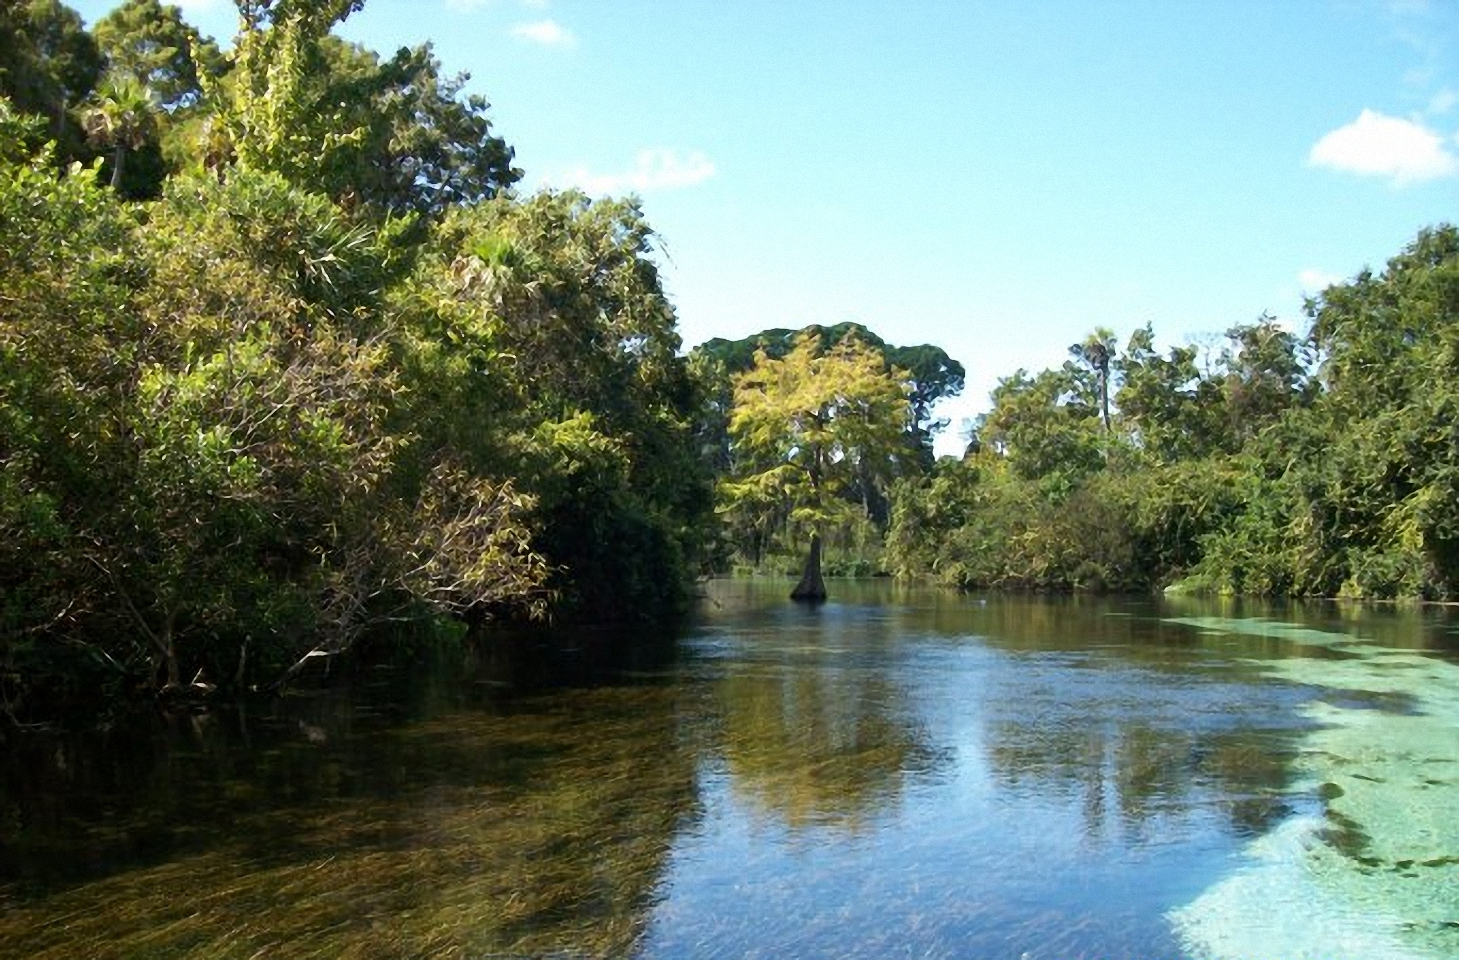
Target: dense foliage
x=310 y=372
x=284 y=357
x=807 y=431
x=1325 y=465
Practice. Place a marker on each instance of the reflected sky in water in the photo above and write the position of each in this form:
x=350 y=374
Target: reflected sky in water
x=897 y=773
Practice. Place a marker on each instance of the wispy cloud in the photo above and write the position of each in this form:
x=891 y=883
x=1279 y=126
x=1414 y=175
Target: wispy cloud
x=1313 y=280
x=1424 y=27
x=1376 y=145
x=1442 y=102
x=546 y=32
x=654 y=170
x=196 y=5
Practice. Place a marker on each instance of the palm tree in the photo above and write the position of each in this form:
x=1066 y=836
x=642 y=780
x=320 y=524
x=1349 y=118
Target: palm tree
x=1095 y=353
x=123 y=117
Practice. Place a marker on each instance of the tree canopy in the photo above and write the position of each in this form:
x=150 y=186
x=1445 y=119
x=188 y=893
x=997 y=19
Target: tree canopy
x=315 y=373
x=149 y=43
x=931 y=374
x=1280 y=464
x=808 y=428
x=49 y=64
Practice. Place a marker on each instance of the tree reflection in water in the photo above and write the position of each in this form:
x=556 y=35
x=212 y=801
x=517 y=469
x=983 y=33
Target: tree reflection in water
x=819 y=747
x=1133 y=720
x=815 y=727
x=939 y=774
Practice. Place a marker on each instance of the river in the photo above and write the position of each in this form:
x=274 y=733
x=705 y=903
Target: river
x=897 y=773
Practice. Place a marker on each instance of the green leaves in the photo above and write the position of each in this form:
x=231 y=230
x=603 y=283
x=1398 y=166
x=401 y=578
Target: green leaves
x=1278 y=467
x=49 y=65
x=1043 y=435
x=394 y=136
x=334 y=380
x=149 y=43
x=582 y=381
x=806 y=424
x=931 y=375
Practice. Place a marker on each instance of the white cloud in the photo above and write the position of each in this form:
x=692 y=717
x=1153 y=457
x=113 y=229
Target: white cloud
x=546 y=32
x=655 y=170
x=1313 y=280
x=1383 y=146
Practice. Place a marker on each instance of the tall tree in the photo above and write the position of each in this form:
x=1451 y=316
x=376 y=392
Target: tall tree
x=930 y=374
x=1041 y=434
x=546 y=349
x=801 y=425
x=1090 y=368
x=933 y=376
x=1264 y=375
x=150 y=43
x=269 y=109
x=424 y=145
x=329 y=116
x=1170 y=411
x=49 y=65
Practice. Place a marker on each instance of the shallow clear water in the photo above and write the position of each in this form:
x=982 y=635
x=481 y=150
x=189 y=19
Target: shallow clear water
x=896 y=773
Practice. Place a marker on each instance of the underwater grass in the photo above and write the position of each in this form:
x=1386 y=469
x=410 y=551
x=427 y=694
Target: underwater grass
x=562 y=855
x=1377 y=874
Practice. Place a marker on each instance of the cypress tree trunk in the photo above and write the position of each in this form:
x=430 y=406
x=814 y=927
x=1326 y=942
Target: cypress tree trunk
x=811 y=587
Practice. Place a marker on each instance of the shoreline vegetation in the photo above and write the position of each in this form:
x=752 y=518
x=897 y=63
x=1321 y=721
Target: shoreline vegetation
x=290 y=368
x=1324 y=464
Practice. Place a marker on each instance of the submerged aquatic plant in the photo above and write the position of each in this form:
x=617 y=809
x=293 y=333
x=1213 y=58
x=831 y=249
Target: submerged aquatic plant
x=481 y=835
x=1376 y=875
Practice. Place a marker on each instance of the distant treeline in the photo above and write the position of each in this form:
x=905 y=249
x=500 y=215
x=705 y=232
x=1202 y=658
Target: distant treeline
x=1314 y=463
x=1325 y=464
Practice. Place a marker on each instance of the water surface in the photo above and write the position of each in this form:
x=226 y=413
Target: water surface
x=896 y=773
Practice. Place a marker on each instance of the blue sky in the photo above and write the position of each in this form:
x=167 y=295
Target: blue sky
x=997 y=178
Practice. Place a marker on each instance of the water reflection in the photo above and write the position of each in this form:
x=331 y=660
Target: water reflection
x=1108 y=705
x=1130 y=779
x=816 y=728
x=897 y=772
x=1039 y=778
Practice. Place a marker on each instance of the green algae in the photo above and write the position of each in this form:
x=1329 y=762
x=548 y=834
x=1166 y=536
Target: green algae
x=1377 y=874
x=1274 y=629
